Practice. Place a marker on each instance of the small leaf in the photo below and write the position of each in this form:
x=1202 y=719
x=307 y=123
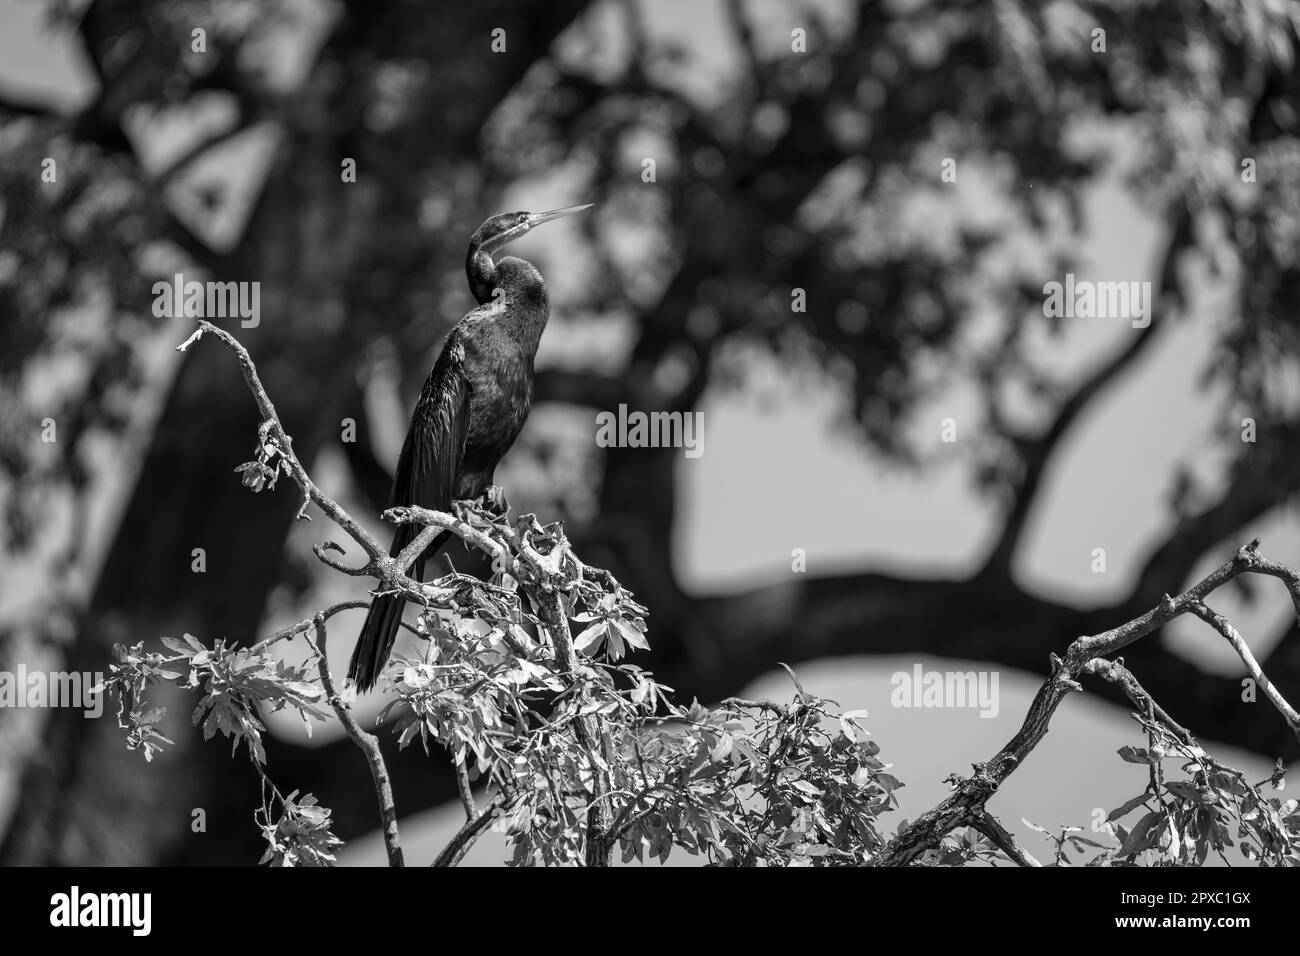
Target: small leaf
x=632 y=635
x=849 y=723
x=1142 y=836
x=590 y=637
x=1135 y=755
x=1127 y=807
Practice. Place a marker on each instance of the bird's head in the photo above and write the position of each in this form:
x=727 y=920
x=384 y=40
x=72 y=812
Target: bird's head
x=509 y=226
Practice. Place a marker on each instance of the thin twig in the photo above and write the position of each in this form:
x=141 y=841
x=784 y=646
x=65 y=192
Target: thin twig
x=1233 y=636
x=285 y=444
x=739 y=702
x=306 y=624
x=441 y=521
x=460 y=844
x=378 y=563
x=986 y=823
x=369 y=745
x=466 y=794
x=1116 y=673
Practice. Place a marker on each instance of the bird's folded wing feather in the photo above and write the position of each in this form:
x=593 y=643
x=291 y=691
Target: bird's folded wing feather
x=435 y=442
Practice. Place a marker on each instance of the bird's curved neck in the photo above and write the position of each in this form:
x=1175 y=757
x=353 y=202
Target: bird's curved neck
x=482 y=272
x=522 y=295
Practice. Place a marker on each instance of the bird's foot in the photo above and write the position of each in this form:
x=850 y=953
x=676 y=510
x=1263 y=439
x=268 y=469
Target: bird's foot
x=494 y=500
x=491 y=502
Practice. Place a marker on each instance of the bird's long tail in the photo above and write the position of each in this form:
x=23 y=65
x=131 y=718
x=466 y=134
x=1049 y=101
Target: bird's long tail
x=383 y=619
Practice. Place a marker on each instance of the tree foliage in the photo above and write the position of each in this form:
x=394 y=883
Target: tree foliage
x=579 y=750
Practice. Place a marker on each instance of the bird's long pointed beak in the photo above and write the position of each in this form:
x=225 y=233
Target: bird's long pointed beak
x=537 y=218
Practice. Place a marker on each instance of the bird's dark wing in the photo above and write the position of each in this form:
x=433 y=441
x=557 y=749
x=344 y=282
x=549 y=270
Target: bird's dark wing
x=426 y=476
x=435 y=442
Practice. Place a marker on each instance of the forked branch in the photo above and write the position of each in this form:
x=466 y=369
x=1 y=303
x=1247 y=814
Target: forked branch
x=1087 y=655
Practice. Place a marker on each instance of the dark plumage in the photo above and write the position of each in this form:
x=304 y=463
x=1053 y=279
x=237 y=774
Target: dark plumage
x=470 y=411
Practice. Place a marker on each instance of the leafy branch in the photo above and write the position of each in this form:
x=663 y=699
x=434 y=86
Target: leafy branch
x=581 y=753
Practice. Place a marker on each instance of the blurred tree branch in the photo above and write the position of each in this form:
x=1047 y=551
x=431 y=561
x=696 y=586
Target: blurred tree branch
x=1037 y=452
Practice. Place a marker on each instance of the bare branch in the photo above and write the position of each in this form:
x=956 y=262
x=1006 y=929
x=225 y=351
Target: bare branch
x=442 y=521
x=460 y=844
x=1233 y=636
x=463 y=788
x=306 y=624
x=368 y=743
x=285 y=444
x=988 y=824
x=389 y=571
x=322 y=552
x=768 y=705
x=416 y=548
x=970 y=795
x=1116 y=673
x=1114 y=640
x=1262 y=565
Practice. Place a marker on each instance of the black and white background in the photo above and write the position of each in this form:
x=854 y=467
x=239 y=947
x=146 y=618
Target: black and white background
x=827 y=229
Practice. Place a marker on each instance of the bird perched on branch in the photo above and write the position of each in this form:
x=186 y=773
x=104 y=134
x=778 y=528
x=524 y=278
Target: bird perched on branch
x=470 y=411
